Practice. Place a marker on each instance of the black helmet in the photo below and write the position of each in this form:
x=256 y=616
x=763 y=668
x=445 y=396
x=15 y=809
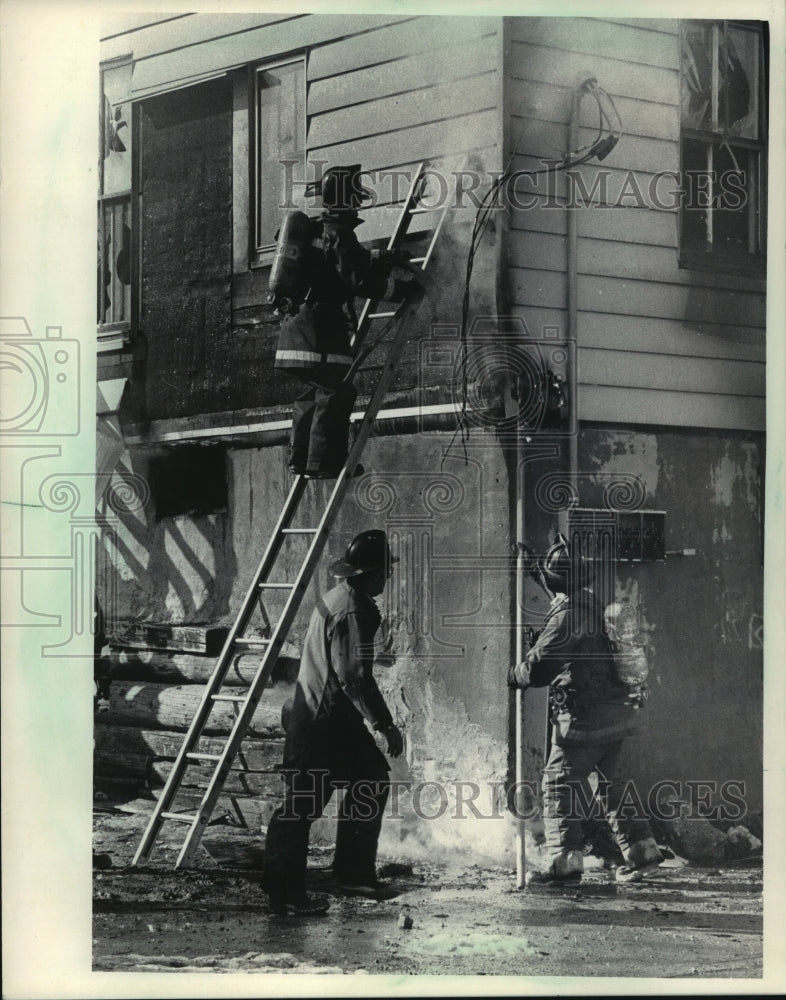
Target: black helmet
x=341 y=193
x=367 y=551
x=564 y=572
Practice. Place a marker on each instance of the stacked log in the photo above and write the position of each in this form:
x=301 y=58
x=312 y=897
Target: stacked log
x=153 y=694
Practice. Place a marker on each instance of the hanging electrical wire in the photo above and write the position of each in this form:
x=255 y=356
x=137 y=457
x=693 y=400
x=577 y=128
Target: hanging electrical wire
x=608 y=134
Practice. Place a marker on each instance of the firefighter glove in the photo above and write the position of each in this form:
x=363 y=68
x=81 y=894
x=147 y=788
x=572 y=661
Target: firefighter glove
x=519 y=675
x=395 y=740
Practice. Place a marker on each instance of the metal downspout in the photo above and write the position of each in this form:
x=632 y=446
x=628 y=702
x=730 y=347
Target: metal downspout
x=520 y=649
x=572 y=330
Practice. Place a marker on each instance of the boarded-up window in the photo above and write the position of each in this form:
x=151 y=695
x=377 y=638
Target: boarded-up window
x=723 y=136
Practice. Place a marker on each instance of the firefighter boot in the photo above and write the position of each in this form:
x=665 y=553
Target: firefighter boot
x=565 y=869
x=313 y=904
x=641 y=859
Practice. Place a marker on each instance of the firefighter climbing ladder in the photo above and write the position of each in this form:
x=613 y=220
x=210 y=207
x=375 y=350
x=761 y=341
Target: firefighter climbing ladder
x=399 y=323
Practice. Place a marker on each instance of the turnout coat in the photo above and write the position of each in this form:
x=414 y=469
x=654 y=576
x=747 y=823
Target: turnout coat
x=318 y=336
x=336 y=690
x=573 y=656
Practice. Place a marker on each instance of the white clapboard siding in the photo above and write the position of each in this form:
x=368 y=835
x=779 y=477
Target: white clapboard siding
x=589 y=187
x=647 y=226
x=666 y=25
x=671 y=338
x=608 y=257
x=668 y=300
x=529 y=287
x=156 y=70
x=451 y=60
x=548 y=140
x=618 y=78
x=657 y=343
x=429 y=104
x=659 y=371
x=594 y=37
x=552 y=103
x=167 y=33
x=542 y=322
x=420 y=34
x=475 y=131
x=623 y=405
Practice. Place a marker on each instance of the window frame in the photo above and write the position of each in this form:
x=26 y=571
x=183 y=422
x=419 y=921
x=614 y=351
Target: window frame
x=261 y=254
x=116 y=334
x=692 y=257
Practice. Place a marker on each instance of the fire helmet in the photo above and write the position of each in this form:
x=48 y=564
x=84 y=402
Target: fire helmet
x=565 y=571
x=367 y=551
x=341 y=193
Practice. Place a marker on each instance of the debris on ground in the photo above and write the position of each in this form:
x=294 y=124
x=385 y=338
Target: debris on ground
x=457 y=916
x=741 y=843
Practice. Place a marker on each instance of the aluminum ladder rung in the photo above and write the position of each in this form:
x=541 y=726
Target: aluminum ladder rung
x=229 y=697
x=275 y=586
x=204 y=756
x=179 y=817
x=382 y=315
x=299 y=531
x=251 y=641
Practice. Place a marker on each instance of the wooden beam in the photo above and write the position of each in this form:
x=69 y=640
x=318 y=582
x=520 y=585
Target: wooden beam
x=122 y=751
x=162 y=667
x=180 y=638
x=159 y=706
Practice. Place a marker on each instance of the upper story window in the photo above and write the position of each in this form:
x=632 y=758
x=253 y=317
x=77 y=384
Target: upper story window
x=279 y=147
x=723 y=145
x=114 y=202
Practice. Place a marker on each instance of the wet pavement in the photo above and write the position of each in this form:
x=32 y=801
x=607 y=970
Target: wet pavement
x=465 y=919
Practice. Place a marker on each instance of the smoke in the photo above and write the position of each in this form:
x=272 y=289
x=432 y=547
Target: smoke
x=455 y=842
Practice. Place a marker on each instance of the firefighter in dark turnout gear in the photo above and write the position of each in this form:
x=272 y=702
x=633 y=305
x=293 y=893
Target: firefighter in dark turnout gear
x=314 y=343
x=592 y=713
x=328 y=744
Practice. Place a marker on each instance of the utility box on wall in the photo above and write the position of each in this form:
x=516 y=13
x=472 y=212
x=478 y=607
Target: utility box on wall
x=630 y=535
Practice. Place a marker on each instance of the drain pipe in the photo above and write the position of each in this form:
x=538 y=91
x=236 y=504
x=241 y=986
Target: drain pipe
x=572 y=465
x=573 y=309
x=521 y=851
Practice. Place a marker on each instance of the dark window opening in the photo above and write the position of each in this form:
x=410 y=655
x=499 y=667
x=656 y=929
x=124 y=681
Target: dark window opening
x=723 y=145
x=189 y=480
x=114 y=274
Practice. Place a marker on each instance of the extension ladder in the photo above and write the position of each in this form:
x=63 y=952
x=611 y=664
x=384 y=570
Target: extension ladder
x=400 y=321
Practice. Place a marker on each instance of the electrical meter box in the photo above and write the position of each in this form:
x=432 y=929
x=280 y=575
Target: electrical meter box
x=632 y=535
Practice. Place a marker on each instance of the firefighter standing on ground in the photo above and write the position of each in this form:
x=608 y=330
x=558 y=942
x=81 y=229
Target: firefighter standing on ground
x=315 y=289
x=328 y=744
x=592 y=713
